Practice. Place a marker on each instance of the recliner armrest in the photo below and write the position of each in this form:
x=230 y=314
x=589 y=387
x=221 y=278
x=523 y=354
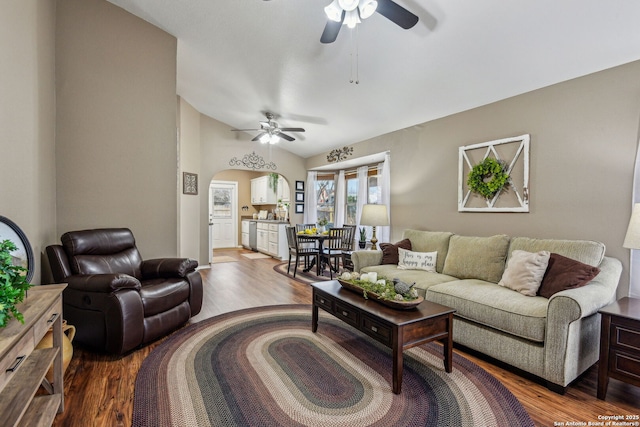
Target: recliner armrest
x=106 y=283
x=168 y=267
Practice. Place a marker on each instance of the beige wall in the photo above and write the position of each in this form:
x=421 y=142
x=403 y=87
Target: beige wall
x=116 y=124
x=584 y=134
x=27 y=120
x=189 y=205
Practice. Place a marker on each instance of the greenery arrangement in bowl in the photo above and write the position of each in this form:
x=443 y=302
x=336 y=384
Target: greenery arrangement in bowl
x=383 y=289
x=13 y=284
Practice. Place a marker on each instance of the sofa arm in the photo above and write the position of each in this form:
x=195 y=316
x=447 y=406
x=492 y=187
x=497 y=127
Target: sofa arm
x=588 y=299
x=102 y=282
x=362 y=259
x=167 y=267
x=573 y=325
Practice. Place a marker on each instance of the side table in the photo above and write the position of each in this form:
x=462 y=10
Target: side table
x=619 y=344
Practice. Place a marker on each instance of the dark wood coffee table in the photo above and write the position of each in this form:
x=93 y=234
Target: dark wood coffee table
x=397 y=329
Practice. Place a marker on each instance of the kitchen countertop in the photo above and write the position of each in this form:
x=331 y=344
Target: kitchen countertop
x=270 y=221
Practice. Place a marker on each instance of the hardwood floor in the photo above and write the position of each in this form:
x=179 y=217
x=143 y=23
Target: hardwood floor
x=99 y=388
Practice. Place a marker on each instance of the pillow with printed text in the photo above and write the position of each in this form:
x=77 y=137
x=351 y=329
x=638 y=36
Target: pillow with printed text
x=409 y=260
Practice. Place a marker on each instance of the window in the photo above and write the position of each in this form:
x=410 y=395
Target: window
x=352 y=201
x=325 y=189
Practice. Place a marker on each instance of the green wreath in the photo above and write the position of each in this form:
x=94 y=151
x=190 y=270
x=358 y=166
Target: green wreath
x=488 y=177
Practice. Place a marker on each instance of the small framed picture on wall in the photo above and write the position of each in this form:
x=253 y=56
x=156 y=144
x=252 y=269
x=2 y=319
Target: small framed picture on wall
x=299 y=207
x=299 y=185
x=299 y=196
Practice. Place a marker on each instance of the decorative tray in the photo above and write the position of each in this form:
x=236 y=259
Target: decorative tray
x=400 y=305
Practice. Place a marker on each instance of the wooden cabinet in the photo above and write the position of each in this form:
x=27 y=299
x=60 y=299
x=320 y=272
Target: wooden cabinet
x=23 y=369
x=619 y=344
x=261 y=193
x=263 y=237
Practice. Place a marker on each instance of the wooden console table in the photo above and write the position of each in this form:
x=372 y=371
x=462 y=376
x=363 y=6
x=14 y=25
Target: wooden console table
x=619 y=344
x=23 y=369
x=397 y=329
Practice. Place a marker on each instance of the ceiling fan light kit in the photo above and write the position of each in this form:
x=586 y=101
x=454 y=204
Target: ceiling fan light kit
x=354 y=11
x=270 y=131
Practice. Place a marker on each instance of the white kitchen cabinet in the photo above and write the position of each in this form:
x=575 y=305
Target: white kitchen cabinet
x=263 y=237
x=272 y=239
x=261 y=193
x=245 y=234
x=283 y=192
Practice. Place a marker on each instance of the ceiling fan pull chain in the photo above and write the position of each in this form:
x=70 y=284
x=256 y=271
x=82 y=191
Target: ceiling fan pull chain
x=357 y=59
x=351 y=57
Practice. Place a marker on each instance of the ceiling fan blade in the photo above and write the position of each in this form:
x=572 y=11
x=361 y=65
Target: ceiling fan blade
x=243 y=130
x=285 y=136
x=396 y=14
x=292 y=129
x=331 y=30
x=258 y=136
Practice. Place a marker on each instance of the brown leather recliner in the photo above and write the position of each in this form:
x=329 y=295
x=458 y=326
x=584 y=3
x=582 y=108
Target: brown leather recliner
x=116 y=300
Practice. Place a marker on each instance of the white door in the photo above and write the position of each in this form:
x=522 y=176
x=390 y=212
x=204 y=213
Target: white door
x=223 y=214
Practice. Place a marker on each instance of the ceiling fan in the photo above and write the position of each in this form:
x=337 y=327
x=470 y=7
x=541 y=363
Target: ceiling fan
x=350 y=13
x=270 y=131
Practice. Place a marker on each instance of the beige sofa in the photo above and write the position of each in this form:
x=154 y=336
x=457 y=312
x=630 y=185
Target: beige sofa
x=554 y=338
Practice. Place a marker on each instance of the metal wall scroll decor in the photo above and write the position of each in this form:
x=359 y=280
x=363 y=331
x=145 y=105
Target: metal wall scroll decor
x=189 y=183
x=252 y=161
x=513 y=155
x=339 y=154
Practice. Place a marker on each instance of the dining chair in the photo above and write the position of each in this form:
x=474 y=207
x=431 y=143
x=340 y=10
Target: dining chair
x=302 y=241
x=296 y=250
x=333 y=247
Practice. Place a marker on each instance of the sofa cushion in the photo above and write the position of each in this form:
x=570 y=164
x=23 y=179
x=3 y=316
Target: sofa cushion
x=422 y=279
x=409 y=260
x=390 y=251
x=430 y=241
x=585 y=251
x=494 y=306
x=565 y=273
x=476 y=257
x=525 y=271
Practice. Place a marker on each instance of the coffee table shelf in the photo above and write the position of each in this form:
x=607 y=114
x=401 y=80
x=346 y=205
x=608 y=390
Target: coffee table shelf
x=397 y=329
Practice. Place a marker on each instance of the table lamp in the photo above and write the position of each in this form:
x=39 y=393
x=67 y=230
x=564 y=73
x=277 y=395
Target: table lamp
x=374 y=215
x=632 y=239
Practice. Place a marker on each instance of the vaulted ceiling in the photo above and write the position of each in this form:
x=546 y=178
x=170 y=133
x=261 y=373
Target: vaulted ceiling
x=238 y=59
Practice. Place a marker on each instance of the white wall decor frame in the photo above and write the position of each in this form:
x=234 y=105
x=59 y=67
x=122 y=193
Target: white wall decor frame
x=514 y=197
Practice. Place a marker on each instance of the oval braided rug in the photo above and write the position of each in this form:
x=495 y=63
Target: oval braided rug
x=264 y=367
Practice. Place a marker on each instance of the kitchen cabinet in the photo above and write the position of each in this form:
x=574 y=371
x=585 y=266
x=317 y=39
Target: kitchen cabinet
x=261 y=193
x=263 y=237
x=272 y=239
x=283 y=193
x=245 y=233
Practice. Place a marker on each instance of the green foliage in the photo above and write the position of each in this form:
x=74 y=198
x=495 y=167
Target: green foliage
x=13 y=284
x=273 y=181
x=385 y=291
x=323 y=221
x=488 y=178
x=363 y=234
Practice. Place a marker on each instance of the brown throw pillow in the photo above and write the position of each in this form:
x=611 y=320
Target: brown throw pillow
x=565 y=273
x=390 y=251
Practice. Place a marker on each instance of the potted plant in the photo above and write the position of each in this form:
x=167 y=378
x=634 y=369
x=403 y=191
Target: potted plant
x=13 y=284
x=322 y=222
x=362 y=243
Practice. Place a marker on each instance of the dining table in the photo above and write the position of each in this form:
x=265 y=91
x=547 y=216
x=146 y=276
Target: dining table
x=320 y=238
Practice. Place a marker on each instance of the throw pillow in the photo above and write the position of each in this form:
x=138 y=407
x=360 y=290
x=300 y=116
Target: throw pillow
x=409 y=260
x=565 y=273
x=390 y=251
x=525 y=271
x=476 y=257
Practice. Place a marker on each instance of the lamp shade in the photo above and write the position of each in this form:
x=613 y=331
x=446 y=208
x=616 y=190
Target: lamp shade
x=632 y=239
x=374 y=215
